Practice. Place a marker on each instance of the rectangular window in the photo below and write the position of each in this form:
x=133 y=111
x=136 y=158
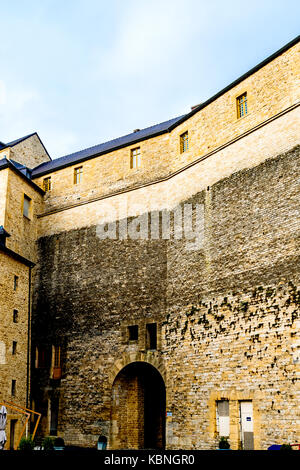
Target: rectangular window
x=14 y=347
x=47 y=184
x=184 y=142
x=135 y=158
x=222 y=416
x=133 y=333
x=78 y=175
x=39 y=358
x=15 y=316
x=16 y=282
x=242 y=108
x=151 y=336
x=26 y=206
x=13 y=388
x=56 y=361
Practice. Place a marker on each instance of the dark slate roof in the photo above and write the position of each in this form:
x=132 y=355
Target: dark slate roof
x=21 y=170
x=106 y=147
x=3 y=163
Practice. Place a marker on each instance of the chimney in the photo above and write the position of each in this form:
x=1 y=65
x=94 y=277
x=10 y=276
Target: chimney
x=136 y=130
x=195 y=106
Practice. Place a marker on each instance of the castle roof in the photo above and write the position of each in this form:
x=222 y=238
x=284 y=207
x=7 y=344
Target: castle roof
x=100 y=149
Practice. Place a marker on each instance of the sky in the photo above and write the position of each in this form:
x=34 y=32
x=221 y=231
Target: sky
x=81 y=72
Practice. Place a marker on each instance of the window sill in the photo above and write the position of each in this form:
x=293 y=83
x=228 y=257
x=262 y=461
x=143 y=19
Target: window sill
x=241 y=118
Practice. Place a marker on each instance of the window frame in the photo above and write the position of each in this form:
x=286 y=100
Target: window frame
x=184 y=142
x=13 y=387
x=15 y=315
x=47 y=187
x=242 y=105
x=40 y=358
x=28 y=205
x=151 y=336
x=133 y=333
x=78 y=173
x=135 y=158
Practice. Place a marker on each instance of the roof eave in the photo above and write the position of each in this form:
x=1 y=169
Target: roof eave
x=9 y=165
x=16 y=256
x=237 y=81
x=97 y=154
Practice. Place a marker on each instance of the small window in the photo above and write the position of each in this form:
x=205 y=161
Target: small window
x=242 y=107
x=78 y=175
x=16 y=282
x=184 y=142
x=15 y=316
x=39 y=358
x=26 y=206
x=47 y=184
x=135 y=158
x=151 y=336
x=56 y=356
x=133 y=333
x=14 y=347
x=56 y=362
x=13 y=388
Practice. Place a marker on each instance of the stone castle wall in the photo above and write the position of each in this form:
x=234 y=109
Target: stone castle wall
x=227 y=314
x=271 y=90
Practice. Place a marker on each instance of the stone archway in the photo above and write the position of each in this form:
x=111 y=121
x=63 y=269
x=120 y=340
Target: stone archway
x=138 y=408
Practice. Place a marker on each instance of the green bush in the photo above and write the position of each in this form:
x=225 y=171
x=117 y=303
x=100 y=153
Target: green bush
x=286 y=447
x=47 y=444
x=223 y=443
x=26 y=444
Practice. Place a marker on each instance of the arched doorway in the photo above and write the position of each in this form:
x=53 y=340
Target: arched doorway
x=138 y=408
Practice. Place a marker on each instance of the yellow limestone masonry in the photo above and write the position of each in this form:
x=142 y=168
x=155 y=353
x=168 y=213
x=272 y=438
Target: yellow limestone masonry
x=141 y=340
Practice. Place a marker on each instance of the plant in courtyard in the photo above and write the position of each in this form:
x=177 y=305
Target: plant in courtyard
x=286 y=447
x=26 y=444
x=223 y=443
x=47 y=443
